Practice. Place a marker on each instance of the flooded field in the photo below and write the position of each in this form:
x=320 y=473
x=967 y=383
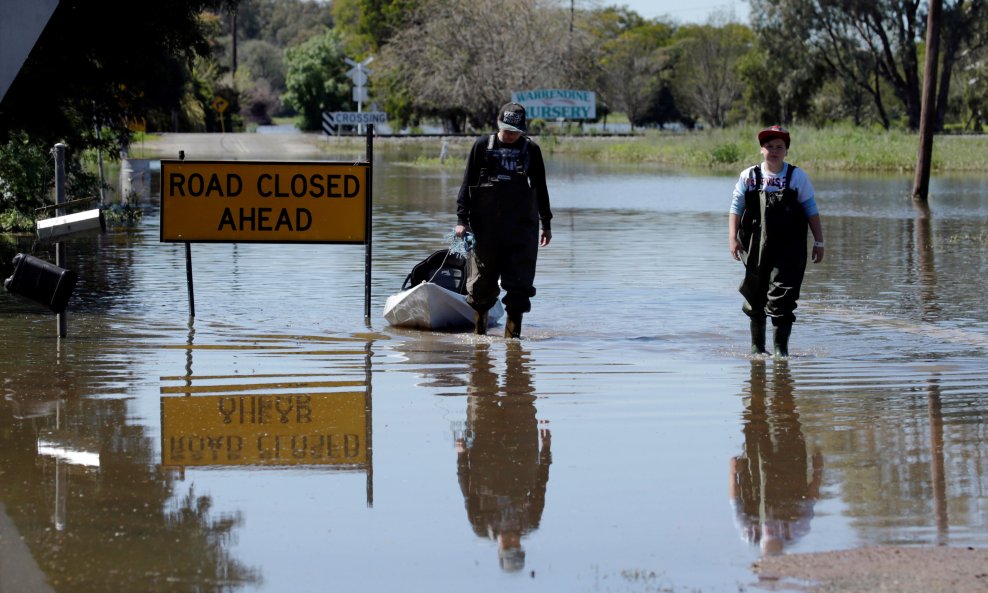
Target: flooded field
x=280 y=442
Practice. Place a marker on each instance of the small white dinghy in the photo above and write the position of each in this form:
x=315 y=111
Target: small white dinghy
x=433 y=296
x=430 y=306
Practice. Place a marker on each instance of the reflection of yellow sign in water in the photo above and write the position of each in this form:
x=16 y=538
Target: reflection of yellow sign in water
x=249 y=201
x=297 y=429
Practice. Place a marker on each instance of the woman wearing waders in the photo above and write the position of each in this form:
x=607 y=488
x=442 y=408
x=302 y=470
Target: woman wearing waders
x=501 y=201
x=772 y=206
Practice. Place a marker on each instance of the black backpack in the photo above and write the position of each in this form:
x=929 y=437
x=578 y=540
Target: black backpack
x=443 y=267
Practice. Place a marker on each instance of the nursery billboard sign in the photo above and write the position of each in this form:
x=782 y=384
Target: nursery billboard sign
x=557 y=103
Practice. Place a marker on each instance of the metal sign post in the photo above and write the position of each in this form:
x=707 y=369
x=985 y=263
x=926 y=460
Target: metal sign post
x=60 y=318
x=368 y=229
x=267 y=202
x=359 y=74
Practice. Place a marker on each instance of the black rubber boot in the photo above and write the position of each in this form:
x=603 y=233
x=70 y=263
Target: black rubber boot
x=783 y=329
x=758 y=335
x=480 y=323
x=512 y=329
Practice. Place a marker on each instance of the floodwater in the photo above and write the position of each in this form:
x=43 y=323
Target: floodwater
x=281 y=442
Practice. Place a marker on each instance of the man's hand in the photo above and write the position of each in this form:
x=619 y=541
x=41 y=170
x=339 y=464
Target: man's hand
x=544 y=237
x=735 y=247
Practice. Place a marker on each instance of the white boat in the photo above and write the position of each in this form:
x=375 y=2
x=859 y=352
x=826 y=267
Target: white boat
x=430 y=306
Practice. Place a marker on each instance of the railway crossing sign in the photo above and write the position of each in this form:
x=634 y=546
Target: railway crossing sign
x=359 y=74
x=332 y=120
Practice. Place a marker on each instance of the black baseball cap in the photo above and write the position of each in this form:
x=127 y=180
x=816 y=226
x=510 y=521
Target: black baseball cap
x=511 y=117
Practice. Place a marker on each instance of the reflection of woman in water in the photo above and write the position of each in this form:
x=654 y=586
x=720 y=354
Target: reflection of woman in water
x=772 y=496
x=502 y=470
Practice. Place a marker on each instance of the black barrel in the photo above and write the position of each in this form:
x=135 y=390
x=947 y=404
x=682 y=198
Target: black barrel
x=41 y=281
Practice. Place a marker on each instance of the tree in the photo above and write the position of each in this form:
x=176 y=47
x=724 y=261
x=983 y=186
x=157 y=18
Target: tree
x=707 y=80
x=264 y=29
x=23 y=172
x=368 y=25
x=964 y=32
x=632 y=64
x=782 y=73
x=261 y=66
x=282 y=23
x=264 y=60
x=104 y=80
x=316 y=79
x=85 y=88
x=461 y=60
x=972 y=97
x=870 y=44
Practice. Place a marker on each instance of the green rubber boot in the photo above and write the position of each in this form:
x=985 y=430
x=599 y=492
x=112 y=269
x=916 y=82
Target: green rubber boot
x=480 y=323
x=758 y=335
x=783 y=329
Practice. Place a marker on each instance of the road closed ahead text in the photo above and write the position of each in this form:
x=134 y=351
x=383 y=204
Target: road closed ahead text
x=270 y=202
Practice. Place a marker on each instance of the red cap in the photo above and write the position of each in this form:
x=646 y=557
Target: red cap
x=773 y=132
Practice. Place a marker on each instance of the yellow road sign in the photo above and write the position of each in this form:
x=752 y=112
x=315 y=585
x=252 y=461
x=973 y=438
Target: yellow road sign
x=220 y=104
x=275 y=202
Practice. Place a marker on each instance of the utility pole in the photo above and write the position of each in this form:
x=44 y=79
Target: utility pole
x=921 y=187
x=233 y=36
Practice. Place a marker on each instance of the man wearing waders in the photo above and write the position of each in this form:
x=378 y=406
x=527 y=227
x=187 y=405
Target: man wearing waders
x=501 y=201
x=771 y=208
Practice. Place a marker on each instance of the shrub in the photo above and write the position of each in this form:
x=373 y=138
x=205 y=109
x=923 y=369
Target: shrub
x=726 y=153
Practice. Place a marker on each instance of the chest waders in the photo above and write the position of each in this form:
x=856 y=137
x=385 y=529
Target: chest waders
x=502 y=470
x=773 y=239
x=773 y=496
x=504 y=217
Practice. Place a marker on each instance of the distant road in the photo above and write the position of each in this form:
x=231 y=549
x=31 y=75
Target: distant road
x=276 y=146
x=282 y=147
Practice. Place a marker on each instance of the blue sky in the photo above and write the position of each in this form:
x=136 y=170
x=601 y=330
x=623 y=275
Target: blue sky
x=684 y=11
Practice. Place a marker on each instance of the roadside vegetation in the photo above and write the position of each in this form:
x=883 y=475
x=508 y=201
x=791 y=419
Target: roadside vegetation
x=845 y=76
x=838 y=148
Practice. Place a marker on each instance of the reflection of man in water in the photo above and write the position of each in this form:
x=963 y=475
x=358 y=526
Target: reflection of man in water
x=772 y=497
x=502 y=470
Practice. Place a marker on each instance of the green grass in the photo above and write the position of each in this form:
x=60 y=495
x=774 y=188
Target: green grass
x=842 y=148
x=281 y=121
x=839 y=148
